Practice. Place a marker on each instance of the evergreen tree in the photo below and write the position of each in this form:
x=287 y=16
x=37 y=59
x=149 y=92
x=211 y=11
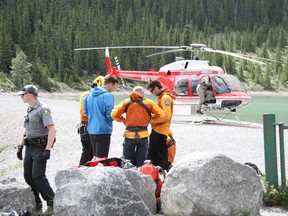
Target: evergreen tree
x=48 y=31
x=20 y=70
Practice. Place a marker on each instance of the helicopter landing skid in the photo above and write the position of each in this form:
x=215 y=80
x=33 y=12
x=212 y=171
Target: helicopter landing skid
x=210 y=118
x=225 y=115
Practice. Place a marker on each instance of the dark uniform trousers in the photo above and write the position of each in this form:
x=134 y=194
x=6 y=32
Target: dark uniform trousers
x=158 y=152
x=87 y=151
x=34 y=173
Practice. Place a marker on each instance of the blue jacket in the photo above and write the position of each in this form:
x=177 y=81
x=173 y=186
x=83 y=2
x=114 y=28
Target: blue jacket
x=98 y=106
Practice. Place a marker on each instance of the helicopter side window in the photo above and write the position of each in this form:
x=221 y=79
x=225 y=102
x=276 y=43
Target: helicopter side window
x=181 y=86
x=194 y=86
x=220 y=86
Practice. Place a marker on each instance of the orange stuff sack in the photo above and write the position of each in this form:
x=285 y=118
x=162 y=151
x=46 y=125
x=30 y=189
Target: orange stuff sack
x=149 y=169
x=171 y=147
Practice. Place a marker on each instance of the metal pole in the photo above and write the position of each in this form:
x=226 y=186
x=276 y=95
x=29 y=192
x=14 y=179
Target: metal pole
x=270 y=151
x=282 y=152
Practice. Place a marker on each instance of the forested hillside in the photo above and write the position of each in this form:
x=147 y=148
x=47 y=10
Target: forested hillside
x=38 y=37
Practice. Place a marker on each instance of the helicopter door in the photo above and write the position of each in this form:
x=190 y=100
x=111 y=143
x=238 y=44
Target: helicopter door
x=194 y=86
x=181 y=86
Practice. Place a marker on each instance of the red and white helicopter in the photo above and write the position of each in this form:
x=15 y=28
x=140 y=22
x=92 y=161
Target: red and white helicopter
x=182 y=77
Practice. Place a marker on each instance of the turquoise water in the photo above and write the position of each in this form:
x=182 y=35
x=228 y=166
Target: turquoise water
x=277 y=105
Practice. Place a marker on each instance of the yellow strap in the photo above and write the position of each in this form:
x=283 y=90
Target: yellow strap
x=136 y=135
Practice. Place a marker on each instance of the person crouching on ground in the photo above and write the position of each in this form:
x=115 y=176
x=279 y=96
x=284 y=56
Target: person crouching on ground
x=204 y=93
x=139 y=111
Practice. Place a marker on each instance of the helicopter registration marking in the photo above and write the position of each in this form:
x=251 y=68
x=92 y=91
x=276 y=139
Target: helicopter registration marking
x=145 y=78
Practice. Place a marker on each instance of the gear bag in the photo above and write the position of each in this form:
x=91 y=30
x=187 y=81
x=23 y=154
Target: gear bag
x=116 y=162
x=171 y=148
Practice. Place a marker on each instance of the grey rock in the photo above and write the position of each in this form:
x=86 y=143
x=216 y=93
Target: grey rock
x=104 y=191
x=15 y=196
x=211 y=184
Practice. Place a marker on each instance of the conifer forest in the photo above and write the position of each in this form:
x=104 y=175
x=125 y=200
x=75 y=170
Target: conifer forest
x=38 y=38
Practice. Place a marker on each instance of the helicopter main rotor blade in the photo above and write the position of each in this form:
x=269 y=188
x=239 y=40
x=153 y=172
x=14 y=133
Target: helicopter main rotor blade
x=256 y=57
x=232 y=54
x=127 y=47
x=168 y=51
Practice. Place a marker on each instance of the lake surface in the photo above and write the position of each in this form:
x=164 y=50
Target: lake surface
x=277 y=105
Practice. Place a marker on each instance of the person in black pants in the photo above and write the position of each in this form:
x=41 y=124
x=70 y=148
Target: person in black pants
x=87 y=151
x=38 y=138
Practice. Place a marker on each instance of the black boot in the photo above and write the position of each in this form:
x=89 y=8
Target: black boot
x=49 y=211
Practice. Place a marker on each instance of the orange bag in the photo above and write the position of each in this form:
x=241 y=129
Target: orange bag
x=171 y=147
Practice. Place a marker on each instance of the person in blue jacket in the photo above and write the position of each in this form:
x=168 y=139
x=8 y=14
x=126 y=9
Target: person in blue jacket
x=98 y=105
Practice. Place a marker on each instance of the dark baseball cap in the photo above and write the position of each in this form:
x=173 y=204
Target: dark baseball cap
x=28 y=89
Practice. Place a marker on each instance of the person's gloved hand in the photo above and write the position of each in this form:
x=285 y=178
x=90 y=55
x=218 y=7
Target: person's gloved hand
x=19 y=152
x=46 y=155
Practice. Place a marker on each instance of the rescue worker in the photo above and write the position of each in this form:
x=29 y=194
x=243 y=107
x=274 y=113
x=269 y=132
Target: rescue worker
x=139 y=111
x=204 y=92
x=98 y=106
x=87 y=152
x=158 y=152
x=38 y=138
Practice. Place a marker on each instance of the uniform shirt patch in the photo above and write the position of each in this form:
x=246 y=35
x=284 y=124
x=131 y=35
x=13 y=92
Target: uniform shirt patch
x=167 y=102
x=46 y=112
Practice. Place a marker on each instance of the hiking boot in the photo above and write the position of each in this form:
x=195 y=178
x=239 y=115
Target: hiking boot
x=199 y=112
x=38 y=209
x=38 y=206
x=49 y=211
x=158 y=205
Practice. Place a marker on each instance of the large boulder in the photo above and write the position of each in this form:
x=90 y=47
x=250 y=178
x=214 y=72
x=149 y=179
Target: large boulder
x=104 y=191
x=15 y=196
x=211 y=184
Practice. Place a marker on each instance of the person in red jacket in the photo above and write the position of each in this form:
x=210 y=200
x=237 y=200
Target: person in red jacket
x=139 y=111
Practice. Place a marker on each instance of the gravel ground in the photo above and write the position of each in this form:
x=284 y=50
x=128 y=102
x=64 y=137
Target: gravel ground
x=241 y=143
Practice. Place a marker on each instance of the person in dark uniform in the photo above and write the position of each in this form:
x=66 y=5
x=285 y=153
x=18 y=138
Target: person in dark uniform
x=38 y=138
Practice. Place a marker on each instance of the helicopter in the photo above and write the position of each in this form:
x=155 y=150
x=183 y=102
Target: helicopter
x=182 y=77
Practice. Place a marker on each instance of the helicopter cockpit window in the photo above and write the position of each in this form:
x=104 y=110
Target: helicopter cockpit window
x=220 y=86
x=230 y=83
x=181 y=86
x=240 y=87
